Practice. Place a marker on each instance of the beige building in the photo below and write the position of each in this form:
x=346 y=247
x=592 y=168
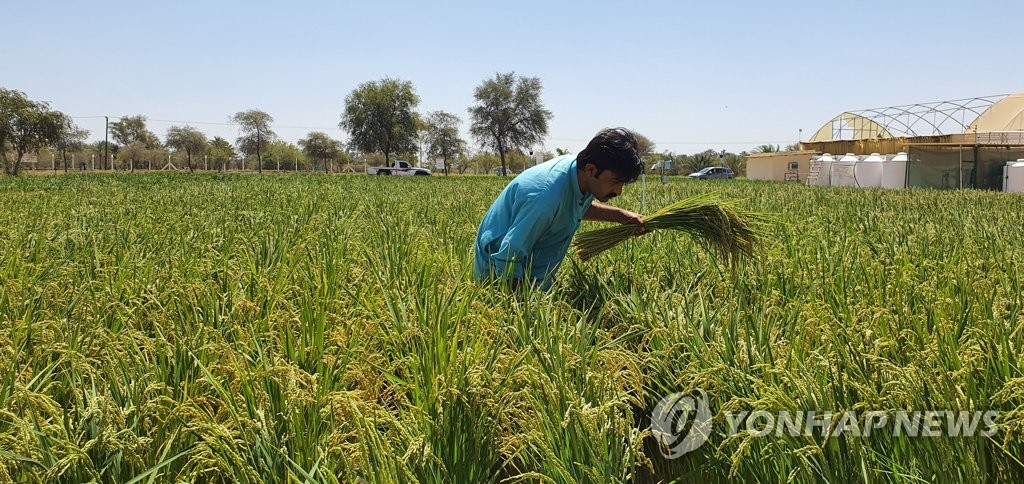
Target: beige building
x=783 y=165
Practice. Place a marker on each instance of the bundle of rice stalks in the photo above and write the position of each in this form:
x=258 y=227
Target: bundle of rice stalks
x=718 y=224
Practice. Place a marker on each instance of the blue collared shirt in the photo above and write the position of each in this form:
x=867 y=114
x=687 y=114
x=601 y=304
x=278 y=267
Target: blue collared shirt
x=528 y=230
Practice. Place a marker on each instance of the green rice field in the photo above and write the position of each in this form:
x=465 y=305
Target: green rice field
x=316 y=328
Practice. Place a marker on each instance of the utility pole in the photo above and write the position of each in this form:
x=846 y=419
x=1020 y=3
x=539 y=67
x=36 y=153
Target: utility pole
x=259 y=157
x=106 y=132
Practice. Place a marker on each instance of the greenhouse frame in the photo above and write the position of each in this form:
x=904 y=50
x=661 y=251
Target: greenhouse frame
x=963 y=143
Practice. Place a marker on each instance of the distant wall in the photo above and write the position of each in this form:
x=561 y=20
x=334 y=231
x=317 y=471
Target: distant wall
x=776 y=166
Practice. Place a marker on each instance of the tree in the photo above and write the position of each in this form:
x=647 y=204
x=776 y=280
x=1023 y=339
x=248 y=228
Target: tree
x=484 y=161
x=135 y=152
x=737 y=163
x=792 y=147
x=220 y=152
x=286 y=154
x=318 y=146
x=443 y=139
x=132 y=129
x=69 y=138
x=255 y=133
x=25 y=126
x=380 y=117
x=699 y=161
x=189 y=140
x=134 y=141
x=766 y=149
x=461 y=162
x=509 y=114
x=98 y=148
x=644 y=146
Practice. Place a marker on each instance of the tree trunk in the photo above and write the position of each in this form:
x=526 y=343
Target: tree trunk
x=16 y=169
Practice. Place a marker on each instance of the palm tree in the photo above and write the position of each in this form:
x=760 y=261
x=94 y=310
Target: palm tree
x=736 y=163
x=699 y=161
x=766 y=149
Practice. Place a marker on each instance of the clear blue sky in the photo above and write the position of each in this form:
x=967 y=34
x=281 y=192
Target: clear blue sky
x=689 y=75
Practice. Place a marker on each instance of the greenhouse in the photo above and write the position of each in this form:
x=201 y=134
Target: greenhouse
x=965 y=143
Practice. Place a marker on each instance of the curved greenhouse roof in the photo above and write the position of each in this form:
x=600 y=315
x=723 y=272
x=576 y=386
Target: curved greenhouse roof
x=1005 y=115
x=986 y=114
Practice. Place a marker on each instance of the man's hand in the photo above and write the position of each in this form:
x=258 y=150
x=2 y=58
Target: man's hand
x=632 y=218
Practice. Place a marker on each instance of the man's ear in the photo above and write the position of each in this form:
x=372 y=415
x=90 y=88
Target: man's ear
x=590 y=168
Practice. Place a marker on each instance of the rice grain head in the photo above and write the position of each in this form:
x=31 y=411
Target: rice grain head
x=720 y=225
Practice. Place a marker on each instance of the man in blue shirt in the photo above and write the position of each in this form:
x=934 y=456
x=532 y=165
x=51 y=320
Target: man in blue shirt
x=527 y=232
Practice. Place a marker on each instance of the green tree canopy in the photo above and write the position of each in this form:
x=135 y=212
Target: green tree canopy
x=134 y=153
x=443 y=139
x=255 y=133
x=220 y=152
x=132 y=129
x=644 y=146
x=188 y=140
x=318 y=146
x=508 y=114
x=766 y=149
x=699 y=161
x=380 y=117
x=484 y=161
x=69 y=138
x=26 y=126
x=737 y=163
x=285 y=153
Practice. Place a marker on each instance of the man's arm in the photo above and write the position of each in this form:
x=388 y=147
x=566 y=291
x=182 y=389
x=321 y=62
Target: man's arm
x=600 y=212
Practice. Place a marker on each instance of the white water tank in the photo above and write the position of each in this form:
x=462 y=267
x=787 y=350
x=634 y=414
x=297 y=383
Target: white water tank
x=1013 y=176
x=894 y=171
x=825 y=172
x=869 y=171
x=842 y=172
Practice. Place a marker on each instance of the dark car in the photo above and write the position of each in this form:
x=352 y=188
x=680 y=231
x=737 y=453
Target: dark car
x=713 y=172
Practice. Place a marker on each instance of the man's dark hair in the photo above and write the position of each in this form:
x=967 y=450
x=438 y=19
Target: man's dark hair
x=613 y=149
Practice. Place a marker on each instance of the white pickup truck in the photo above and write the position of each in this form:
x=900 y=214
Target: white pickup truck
x=398 y=168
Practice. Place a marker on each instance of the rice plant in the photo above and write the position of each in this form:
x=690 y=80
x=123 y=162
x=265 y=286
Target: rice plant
x=717 y=224
x=303 y=328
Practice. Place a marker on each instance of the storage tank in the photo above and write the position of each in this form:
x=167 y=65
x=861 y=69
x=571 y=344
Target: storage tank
x=825 y=171
x=1013 y=176
x=894 y=171
x=842 y=172
x=869 y=171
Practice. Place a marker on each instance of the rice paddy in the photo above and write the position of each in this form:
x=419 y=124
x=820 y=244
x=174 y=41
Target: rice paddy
x=305 y=328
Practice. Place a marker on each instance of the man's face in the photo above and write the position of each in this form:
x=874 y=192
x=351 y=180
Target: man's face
x=605 y=186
